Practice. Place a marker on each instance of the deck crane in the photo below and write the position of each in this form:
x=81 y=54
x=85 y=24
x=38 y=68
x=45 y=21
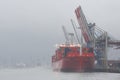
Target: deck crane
x=95 y=37
x=74 y=27
x=68 y=36
x=88 y=37
x=65 y=34
x=91 y=37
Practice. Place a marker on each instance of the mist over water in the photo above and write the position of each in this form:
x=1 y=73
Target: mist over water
x=42 y=73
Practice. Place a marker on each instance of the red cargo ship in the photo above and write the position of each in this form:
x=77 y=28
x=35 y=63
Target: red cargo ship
x=69 y=57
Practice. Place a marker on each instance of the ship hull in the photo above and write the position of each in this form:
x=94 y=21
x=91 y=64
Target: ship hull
x=74 y=64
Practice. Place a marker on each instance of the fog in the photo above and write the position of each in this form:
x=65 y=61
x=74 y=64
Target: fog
x=29 y=29
x=40 y=73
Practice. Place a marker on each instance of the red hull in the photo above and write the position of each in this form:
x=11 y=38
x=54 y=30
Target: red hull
x=69 y=58
x=74 y=64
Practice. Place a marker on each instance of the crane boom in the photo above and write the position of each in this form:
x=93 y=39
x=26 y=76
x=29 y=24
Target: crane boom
x=83 y=25
x=66 y=34
x=75 y=31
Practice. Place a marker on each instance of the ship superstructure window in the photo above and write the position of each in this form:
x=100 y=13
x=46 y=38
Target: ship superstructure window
x=90 y=50
x=87 y=50
x=66 y=51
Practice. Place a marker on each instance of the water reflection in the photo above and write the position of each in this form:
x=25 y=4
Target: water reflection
x=48 y=74
x=86 y=76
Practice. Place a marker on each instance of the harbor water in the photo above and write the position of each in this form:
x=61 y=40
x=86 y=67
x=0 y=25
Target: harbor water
x=41 y=73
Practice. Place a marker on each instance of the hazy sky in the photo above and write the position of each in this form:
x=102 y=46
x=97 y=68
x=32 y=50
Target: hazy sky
x=29 y=29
